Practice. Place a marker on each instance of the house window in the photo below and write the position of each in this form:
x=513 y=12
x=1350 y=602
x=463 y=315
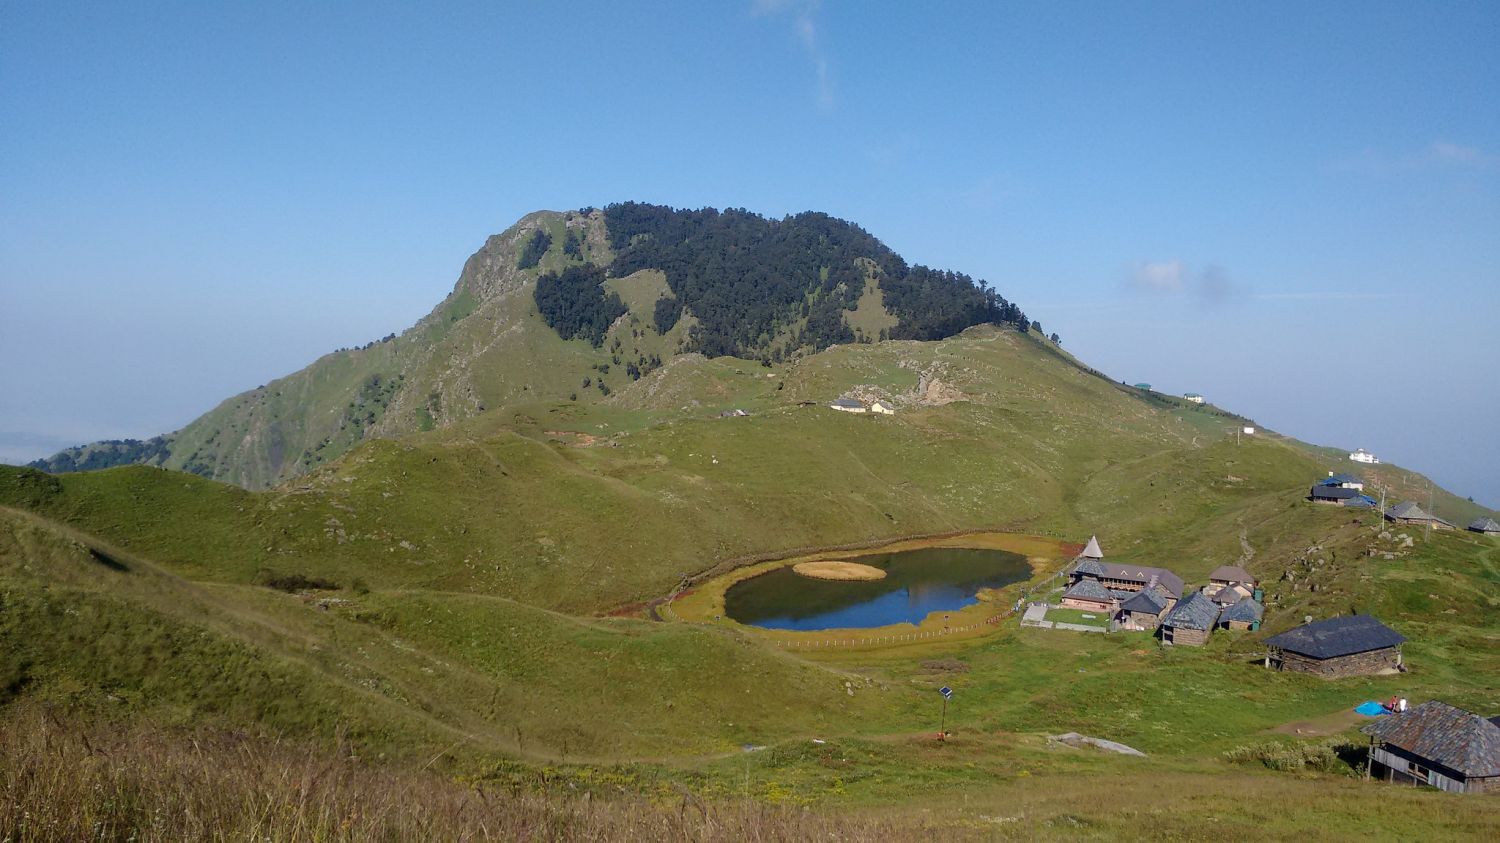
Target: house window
x=1417 y=771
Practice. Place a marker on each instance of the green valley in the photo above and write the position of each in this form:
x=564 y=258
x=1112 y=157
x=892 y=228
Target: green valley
x=453 y=556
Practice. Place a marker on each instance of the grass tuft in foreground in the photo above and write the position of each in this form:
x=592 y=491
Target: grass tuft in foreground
x=66 y=780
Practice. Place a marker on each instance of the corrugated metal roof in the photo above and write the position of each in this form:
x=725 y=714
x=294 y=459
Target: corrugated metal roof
x=1336 y=637
x=1333 y=493
x=1457 y=739
x=1196 y=612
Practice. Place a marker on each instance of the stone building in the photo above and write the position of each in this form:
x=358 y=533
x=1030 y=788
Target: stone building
x=1353 y=645
x=1190 y=621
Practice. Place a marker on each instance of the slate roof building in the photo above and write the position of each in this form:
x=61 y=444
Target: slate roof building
x=1089 y=595
x=1118 y=577
x=1437 y=745
x=1190 y=621
x=1352 y=645
x=1143 y=610
x=847 y=405
x=1245 y=615
x=1488 y=526
x=1224 y=595
x=1232 y=575
x=1407 y=512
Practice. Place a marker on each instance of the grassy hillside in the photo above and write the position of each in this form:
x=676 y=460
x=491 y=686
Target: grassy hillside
x=582 y=508
x=392 y=670
x=458 y=631
x=797 y=284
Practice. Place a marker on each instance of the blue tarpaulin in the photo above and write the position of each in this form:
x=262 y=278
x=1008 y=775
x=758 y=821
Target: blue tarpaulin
x=1370 y=709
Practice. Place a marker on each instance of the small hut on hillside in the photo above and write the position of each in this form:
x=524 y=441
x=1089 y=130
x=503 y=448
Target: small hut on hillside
x=1488 y=526
x=1353 y=645
x=1335 y=495
x=1232 y=575
x=1190 y=621
x=1229 y=584
x=1407 y=512
x=1244 y=615
x=1437 y=745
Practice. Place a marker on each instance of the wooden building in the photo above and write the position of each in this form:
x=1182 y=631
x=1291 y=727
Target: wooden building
x=1353 y=645
x=1233 y=575
x=1229 y=584
x=1437 y=745
x=1190 y=621
x=1127 y=578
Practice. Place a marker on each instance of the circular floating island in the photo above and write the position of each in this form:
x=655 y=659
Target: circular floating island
x=834 y=569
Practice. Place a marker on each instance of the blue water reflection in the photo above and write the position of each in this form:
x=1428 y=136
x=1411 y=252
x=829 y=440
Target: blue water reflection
x=917 y=583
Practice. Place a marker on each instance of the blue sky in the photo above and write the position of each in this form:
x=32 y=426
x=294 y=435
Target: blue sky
x=1293 y=210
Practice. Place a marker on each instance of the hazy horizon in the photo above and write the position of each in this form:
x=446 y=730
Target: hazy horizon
x=1290 y=210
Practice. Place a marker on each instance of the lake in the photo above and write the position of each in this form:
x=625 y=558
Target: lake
x=917 y=583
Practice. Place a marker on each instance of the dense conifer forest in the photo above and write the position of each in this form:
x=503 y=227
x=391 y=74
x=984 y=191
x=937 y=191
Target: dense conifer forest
x=760 y=287
x=574 y=303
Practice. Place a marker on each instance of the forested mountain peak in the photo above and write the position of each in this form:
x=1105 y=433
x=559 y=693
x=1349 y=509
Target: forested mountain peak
x=761 y=287
x=572 y=307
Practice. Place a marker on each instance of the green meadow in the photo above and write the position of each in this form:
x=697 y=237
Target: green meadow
x=472 y=606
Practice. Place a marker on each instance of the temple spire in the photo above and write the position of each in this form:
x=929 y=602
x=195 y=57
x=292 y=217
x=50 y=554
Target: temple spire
x=1092 y=551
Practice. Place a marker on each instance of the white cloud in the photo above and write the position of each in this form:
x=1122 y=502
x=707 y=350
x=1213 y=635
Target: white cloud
x=804 y=25
x=1159 y=276
x=1438 y=154
x=1210 y=285
x=1456 y=154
